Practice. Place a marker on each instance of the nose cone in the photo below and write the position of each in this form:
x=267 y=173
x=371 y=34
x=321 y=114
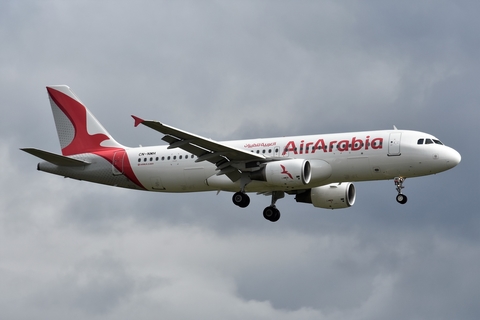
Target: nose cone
x=453 y=158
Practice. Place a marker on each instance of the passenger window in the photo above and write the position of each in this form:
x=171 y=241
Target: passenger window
x=428 y=141
x=420 y=141
x=180 y=157
x=139 y=160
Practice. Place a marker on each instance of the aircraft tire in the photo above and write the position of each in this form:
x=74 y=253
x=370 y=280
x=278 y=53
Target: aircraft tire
x=271 y=213
x=401 y=198
x=241 y=199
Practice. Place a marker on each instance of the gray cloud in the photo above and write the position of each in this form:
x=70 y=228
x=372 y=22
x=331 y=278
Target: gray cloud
x=226 y=71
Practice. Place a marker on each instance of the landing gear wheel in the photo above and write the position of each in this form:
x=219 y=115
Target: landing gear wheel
x=401 y=198
x=241 y=199
x=271 y=213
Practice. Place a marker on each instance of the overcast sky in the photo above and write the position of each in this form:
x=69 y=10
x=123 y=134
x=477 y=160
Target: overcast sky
x=233 y=70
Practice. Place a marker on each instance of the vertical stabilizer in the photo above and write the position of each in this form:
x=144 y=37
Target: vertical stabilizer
x=78 y=130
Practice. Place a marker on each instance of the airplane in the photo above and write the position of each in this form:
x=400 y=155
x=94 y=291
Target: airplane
x=317 y=169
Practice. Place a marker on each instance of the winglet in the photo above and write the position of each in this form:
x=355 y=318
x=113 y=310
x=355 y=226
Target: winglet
x=137 y=120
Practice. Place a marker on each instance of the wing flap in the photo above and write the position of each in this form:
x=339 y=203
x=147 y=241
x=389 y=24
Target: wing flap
x=56 y=159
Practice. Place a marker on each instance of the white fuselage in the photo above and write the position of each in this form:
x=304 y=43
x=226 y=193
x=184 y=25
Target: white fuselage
x=356 y=156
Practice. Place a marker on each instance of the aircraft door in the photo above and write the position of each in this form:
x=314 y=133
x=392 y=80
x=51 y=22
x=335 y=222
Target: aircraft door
x=117 y=163
x=394 y=144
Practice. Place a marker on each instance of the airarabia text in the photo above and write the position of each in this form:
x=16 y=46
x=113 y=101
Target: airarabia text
x=355 y=144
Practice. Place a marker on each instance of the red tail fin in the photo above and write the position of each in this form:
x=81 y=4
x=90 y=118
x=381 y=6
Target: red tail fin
x=78 y=130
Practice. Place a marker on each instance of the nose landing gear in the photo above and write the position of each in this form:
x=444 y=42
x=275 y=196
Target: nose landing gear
x=401 y=198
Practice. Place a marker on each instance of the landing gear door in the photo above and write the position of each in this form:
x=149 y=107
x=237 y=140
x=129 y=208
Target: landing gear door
x=394 y=144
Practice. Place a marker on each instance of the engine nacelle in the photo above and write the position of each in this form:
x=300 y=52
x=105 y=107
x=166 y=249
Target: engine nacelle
x=286 y=173
x=321 y=171
x=331 y=196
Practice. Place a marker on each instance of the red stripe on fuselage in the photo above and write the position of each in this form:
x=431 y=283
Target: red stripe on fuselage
x=126 y=169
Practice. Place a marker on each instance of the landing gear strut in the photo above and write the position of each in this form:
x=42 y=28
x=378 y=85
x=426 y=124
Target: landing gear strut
x=401 y=198
x=271 y=213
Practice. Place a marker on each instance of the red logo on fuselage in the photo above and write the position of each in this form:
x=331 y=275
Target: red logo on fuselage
x=354 y=144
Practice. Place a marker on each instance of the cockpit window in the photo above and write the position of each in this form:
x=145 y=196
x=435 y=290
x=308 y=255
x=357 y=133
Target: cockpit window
x=429 y=141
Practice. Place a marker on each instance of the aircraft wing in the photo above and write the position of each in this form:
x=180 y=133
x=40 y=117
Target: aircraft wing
x=205 y=149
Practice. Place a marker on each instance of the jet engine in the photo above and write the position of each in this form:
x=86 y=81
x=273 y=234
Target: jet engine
x=286 y=173
x=331 y=196
x=293 y=172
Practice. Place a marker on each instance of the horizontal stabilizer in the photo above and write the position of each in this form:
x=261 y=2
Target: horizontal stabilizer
x=55 y=158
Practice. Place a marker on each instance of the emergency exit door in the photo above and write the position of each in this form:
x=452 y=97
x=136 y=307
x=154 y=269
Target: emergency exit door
x=394 y=144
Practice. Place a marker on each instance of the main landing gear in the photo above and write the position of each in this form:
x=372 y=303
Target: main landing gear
x=401 y=198
x=241 y=199
x=271 y=213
